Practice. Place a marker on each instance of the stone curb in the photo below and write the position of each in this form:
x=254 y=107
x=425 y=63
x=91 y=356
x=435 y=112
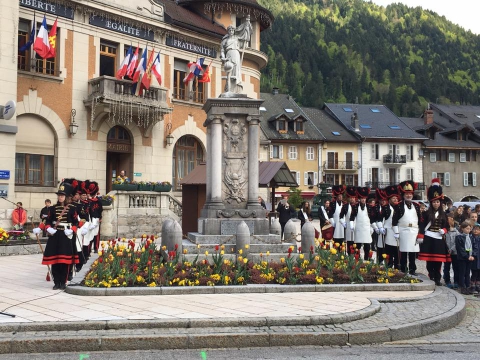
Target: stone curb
x=370 y=310
x=426 y=285
x=22 y=343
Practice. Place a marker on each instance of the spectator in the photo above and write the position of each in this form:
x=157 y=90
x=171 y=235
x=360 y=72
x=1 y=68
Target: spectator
x=465 y=250
x=122 y=178
x=449 y=208
x=261 y=202
x=304 y=213
x=458 y=215
x=44 y=215
x=450 y=241
x=474 y=218
x=19 y=217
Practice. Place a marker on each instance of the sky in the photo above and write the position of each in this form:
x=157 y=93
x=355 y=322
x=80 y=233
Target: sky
x=461 y=12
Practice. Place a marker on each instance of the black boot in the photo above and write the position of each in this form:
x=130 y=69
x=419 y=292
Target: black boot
x=56 y=286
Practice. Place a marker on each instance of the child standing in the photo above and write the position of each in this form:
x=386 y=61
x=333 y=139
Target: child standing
x=465 y=249
x=475 y=279
x=450 y=239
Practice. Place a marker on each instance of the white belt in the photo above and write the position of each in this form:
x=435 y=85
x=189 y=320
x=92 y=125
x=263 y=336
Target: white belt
x=433 y=234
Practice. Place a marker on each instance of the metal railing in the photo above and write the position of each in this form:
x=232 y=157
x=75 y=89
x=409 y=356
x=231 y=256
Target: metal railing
x=341 y=165
x=394 y=159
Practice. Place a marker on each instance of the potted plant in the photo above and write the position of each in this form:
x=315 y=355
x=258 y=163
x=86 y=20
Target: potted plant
x=145 y=186
x=106 y=200
x=162 y=186
x=132 y=186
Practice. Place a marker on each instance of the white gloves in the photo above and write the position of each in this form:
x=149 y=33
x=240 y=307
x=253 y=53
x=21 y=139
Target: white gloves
x=51 y=230
x=332 y=222
x=371 y=231
x=396 y=235
x=419 y=241
x=382 y=231
x=352 y=227
x=68 y=232
x=37 y=231
x=91 y=227
x=84 y=231
x=344 y=225
x=377 y=230
x=441 y=231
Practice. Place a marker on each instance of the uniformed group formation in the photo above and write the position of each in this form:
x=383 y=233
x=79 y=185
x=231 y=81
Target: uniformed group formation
x=72 y=225
x=391 y=222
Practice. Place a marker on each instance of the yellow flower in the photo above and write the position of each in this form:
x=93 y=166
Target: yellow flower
x=240 y=258
x=100 y=253
x=292 y=248
x=386 y=281
x=282 y=260
x=245 y=260
x=206 y=253
x=301 y=256
x=198 y=246
x=384 y=256
x=222 y=247
x=247 y=246
x=268 y=253
x=222 y=252
x=317 y=258
x=240 y=251
x=333 y=251
x=152 y=284
x=164 y=247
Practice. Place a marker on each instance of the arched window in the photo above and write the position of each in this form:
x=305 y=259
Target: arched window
x=187 y=154
x=35 y=152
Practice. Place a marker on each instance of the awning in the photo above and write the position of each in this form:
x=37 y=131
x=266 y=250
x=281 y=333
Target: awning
x=304 y=194
x=271 y=174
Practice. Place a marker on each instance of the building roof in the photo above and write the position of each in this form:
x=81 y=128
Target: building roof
x=451 y=115
x=441 y=137
x=329 y=127
x=271 y=174
x=183 y=17
x=266 y=17
x=281 y=105
x=376 y=121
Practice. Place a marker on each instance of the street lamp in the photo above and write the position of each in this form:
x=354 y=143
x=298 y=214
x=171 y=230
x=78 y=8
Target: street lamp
x=170 y=138
x=73 y=124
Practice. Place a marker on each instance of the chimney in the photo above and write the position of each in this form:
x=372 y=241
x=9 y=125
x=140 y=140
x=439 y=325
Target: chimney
x=354 y=121
x=428 y=117
x=275 y=91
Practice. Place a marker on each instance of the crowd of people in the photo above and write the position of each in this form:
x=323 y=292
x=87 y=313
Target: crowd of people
x=403 y=231
x=72 y=225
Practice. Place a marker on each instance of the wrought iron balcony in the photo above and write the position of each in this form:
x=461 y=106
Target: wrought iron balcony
x=341 y=165
x=394 y=159
x=116 y=99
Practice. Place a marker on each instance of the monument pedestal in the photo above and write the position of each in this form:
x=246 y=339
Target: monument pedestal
x=233 y=139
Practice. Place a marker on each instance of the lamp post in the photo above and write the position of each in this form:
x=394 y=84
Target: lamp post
x=169 y=139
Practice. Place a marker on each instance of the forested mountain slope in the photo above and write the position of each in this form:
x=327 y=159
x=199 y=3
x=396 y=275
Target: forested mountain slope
x=351 y=50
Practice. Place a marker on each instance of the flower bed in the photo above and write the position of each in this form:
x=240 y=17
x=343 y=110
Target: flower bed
x=3 y=236
x=121 y=263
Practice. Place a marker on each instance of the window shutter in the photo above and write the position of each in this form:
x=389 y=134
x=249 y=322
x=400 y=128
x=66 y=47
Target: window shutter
x=315 y=178
x=409 y=152
x=373 y=151
x=271 y=151
x=390 y=149
x=474 y=179
x=433 y=157
x=465 y=179
x=369 y=174
x=336 y=160
x=298 y=177
x=397 y=150
x=398 y=176
x=380 y=175
x=289 y=154
x=446 y=179
x=305 y=178
x=280 y=152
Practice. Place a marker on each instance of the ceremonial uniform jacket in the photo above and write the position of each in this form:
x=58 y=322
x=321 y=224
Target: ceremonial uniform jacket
x=96 y=208
x=83 y=210
x=363 y=230
x=407 y=225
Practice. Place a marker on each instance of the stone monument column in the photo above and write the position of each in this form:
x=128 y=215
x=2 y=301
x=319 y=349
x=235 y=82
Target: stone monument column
x=216 y=154
x=209 y=166
x=253 y=176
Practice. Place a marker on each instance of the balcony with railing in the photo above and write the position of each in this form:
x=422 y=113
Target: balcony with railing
x=394 y=159
x=118 y=99
x=341 y=165
x=383 y=184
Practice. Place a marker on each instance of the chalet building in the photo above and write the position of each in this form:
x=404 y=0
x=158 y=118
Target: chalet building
x=339 y=156
x=452 y=149
x=74 y=118
x=289 y=135
x=388 y=151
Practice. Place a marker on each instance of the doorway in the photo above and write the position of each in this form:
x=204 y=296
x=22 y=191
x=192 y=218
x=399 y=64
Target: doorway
x=187 y=154
x=119 y=155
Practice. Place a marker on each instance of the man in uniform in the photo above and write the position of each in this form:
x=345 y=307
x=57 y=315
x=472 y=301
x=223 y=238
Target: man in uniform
x=96 y=210
x=360 y=222
x=83 y=211
x=334 y=212
x=406 y=226
x=351 y=192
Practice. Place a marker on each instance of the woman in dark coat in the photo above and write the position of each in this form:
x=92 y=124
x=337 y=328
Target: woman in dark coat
x=304 y=213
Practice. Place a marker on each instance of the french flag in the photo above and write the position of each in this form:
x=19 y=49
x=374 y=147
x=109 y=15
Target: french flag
x=133 y=64
x=122 y=71
x=156 y=69
x=195 y=70
x=142 y=66
x=41 y=45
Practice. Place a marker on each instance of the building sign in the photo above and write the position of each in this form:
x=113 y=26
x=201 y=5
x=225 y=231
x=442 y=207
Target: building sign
x=4 y=174
x=115 y=147
x=49 y=7
x=4 y=190
x=191 y=46
x=122 y=27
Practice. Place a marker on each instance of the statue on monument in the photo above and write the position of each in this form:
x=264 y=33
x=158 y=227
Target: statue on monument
x=232 y=48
